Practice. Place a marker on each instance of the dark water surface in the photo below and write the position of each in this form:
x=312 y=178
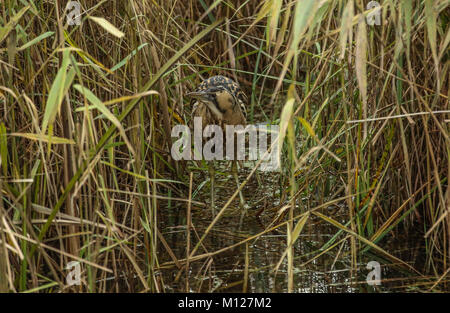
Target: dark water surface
x=315 y=270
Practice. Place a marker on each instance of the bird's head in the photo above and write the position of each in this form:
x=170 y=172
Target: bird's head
x=221 y=101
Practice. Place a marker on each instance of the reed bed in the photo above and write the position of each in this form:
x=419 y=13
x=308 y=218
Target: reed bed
x=86 y=173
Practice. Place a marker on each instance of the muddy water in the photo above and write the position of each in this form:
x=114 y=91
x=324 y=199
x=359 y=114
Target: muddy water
x=314 y=270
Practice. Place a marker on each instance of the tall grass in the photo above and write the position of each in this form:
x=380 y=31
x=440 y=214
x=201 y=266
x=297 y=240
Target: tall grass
x=86 y=113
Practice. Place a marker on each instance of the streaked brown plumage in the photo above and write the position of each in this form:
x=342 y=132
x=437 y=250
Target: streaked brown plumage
x=220 y=101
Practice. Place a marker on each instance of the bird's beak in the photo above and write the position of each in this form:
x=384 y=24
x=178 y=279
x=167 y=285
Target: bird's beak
x=200 y=95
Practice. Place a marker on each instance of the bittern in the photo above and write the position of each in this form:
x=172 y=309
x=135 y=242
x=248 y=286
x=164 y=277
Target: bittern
x=220 y=101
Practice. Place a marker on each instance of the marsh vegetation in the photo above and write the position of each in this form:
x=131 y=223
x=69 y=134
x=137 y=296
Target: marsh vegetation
x=86 y=174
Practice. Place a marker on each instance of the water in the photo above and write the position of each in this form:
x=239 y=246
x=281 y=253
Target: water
x=314 y=270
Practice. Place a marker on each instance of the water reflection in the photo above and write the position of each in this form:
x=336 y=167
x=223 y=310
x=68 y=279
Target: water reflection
x=315 y=270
